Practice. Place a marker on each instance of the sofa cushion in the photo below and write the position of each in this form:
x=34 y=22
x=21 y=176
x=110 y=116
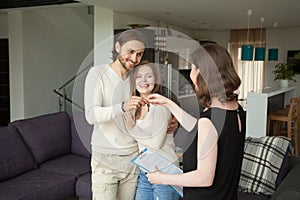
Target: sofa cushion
x=47 y=136
x=252 y=196
x=81 y=135
x=38 y=184
x=262 y=160
x=15 y=157
x=293 y=161
x=283 y=170
x=84 y=186
x=68 y=164
x=289 y=189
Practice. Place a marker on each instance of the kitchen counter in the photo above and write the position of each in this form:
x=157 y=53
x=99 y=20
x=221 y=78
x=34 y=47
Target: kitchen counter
x=275 y=91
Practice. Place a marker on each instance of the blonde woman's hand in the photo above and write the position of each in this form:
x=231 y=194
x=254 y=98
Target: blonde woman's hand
x=134 y=103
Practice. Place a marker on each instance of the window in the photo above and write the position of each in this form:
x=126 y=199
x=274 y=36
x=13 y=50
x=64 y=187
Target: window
x=250 y=72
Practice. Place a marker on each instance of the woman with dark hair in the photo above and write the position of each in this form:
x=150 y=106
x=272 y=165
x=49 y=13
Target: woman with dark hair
x=148 y=125
x=212 y=162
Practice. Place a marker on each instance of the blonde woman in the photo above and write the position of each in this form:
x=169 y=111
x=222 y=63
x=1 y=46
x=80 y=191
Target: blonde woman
x=149 y=128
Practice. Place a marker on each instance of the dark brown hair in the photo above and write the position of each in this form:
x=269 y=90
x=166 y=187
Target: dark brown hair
x=126 y=36
x=217 y=77
x=155 y=69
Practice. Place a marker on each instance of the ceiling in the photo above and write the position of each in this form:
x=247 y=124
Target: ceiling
x=193 y=14
x=210 y=14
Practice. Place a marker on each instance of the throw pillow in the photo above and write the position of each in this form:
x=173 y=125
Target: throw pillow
x=47 y=136
x=262 y=161
x=15 y=158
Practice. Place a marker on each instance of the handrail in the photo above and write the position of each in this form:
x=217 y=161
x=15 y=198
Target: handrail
x=67 y=99
x=74 y=77
x=63 y=87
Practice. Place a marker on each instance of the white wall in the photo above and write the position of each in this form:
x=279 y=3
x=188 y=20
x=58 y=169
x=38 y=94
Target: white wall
x=284 y=39
x=16 y=66
x=103 y=36
x=55 y=42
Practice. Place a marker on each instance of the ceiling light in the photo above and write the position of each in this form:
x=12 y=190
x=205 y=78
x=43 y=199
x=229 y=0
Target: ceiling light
x=260 y=51
x=247 y=50
x=273 y=52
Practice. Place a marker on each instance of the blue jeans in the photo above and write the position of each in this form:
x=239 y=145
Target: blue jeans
x=147 y=191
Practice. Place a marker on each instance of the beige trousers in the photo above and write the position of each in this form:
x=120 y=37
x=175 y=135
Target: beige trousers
x=114 y=177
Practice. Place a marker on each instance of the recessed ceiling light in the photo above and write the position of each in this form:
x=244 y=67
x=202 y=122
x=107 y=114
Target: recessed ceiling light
x=181 y=17
x=167 y=13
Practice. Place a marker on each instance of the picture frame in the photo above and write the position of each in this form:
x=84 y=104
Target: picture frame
x=293 y=58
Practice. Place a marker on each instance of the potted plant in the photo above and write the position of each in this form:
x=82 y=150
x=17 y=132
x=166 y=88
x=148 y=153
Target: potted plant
x=285 y=73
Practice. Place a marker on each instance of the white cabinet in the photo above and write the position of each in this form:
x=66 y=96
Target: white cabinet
x=260 y=104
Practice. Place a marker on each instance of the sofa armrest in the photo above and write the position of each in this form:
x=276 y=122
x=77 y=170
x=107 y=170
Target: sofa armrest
x=290 y=186
x=81 y=132
x=292 y=161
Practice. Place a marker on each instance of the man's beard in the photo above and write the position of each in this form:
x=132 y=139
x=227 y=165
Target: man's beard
x=123 y=63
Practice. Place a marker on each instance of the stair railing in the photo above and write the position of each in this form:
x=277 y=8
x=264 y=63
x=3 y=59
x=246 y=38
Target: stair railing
x=63 y=98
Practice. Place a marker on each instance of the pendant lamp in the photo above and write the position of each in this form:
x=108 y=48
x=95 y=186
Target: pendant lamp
x=273 y=52
x=260 y=52
x=247 y=50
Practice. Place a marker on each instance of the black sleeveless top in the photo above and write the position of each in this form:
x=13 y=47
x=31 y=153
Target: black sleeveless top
x=229 y=156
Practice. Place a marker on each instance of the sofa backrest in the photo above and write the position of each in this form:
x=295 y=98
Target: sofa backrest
x=47 y=136
x=15 y=157
x=81 y=135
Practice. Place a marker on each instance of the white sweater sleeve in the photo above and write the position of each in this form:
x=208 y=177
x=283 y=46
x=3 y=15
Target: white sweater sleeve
x=152 y=132
x=95 y=112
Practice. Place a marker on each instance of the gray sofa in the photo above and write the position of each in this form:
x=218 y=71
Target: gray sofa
x=289 y=188
x=42 y=158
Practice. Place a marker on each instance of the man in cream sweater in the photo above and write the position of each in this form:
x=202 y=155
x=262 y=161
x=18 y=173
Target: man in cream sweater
x=106 y=97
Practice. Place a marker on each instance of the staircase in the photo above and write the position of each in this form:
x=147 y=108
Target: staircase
x=70 y=94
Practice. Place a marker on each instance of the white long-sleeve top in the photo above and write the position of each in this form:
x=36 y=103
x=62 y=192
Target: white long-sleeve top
x=104 y=91
x=151 y=133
